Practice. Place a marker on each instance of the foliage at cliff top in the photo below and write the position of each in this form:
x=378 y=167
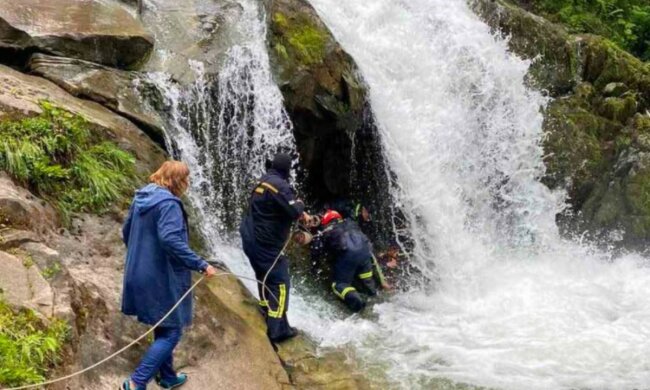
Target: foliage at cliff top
x=626 y=22
x=28 y=348
x=59 y=157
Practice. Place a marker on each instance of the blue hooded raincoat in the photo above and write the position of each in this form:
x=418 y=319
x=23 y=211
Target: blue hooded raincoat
x=159 y=260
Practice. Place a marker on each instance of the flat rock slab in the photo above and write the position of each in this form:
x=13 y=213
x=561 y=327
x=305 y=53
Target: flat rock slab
x=12 y=238
x=23 y=285
x=102 y=32
x=20 y=209
x=323 y=369
x=119 y=90
x=190 y=32
x=21 y=94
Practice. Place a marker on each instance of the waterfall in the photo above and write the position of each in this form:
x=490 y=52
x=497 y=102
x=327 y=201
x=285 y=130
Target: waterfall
x=511 y=304
x=225 y=127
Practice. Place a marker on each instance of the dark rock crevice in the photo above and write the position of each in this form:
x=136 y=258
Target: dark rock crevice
x=340 y=149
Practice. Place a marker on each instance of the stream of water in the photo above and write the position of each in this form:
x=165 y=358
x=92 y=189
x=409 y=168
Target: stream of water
x=511 y=304
x=225 y=127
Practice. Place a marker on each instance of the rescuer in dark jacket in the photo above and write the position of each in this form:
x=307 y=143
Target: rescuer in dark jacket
x=353 y=260
x=264 y=230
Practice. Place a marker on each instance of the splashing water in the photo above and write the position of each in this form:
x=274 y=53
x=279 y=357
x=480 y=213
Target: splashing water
x=511 y=304
x=225 y=129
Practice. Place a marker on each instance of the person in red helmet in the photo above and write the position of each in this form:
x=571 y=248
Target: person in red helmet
x=353 y=265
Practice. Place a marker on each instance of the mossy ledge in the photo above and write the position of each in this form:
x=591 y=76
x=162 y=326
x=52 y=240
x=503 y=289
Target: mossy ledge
x=60 y=157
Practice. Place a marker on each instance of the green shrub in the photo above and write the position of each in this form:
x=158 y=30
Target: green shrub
x=626 y=22
x=28 y=349
x=58 y=157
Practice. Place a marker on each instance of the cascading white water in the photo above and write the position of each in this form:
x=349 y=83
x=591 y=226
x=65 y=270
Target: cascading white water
x=511 y=304
x=225 y=129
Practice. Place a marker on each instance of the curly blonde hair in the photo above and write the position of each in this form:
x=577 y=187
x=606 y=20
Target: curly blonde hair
x=173 y=175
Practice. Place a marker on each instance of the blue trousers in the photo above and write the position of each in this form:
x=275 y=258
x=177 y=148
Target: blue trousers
x=158 y=358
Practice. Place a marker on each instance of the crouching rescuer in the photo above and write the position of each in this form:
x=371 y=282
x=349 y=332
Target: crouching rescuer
x=265 y=230
x=353 y=265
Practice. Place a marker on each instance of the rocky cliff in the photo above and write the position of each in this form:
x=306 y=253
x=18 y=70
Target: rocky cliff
x=326 y=98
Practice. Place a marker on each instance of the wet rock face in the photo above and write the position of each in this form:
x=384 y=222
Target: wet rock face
x=323 y=369
x=24 y=286
x=554 y=64
x=339 y=145
x=595 y=127
x=96 y=31
x=324 y=97
x=188 y=33
x=121 y=91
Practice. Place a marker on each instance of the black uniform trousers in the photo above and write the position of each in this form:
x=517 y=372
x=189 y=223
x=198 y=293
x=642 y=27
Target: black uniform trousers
x=274 y=300
x=350 y=272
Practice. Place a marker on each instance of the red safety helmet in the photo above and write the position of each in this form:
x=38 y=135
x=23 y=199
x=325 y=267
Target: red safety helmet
x=329 y=216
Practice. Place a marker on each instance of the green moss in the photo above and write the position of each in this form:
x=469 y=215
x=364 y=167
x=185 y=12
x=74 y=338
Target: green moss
x=58 y=156
x=280 y=20
x=618 y=109
x=51 y=271
x=606 y=63
x=302 y=37
x=28 y=348
x=574 y=146
x=28 y=261
x=281 y=51
x=638 y=192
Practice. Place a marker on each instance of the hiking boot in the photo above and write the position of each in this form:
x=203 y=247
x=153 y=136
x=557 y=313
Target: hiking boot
x=174 y=383
x=126 y=385
x=293 y=332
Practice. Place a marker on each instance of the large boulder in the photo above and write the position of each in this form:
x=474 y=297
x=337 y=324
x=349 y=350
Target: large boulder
x=21 y=95
x=618 y=208
x=92 y=30
x=191 y=36
x=339 y=145
x=121 y=91
x=22 y=285
x=323 y=369
x=20 y=209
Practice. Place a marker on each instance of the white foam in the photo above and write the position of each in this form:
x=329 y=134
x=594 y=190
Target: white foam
x=511 y=304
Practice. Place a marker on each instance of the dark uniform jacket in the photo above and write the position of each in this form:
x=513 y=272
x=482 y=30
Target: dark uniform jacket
x=273 y=208
x=346 y=242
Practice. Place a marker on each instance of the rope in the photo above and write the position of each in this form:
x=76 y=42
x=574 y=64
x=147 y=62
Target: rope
x=286 y=244
x=99 y=363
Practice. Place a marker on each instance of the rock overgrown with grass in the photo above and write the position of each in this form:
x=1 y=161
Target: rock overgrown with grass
x=59 y=157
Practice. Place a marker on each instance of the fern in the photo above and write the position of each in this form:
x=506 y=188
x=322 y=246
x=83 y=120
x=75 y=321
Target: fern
x=28 y=348
x=58 y=156
x=626 y=22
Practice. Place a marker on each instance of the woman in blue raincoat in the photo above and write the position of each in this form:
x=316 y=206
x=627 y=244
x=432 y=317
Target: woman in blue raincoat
x=158 y=269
